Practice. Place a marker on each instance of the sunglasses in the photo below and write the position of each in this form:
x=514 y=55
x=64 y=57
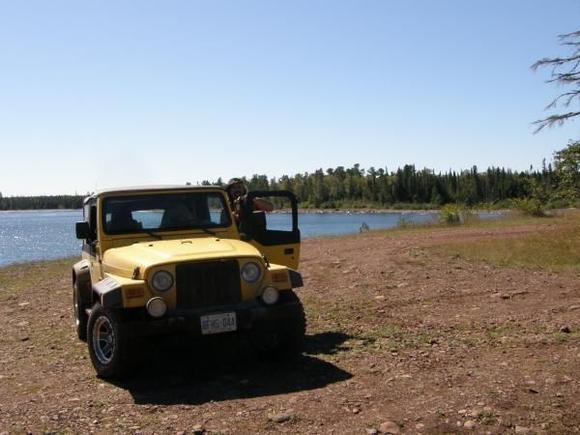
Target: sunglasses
x=237 y=191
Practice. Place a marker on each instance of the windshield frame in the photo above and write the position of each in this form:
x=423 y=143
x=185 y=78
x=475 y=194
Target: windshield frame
x=228 y=222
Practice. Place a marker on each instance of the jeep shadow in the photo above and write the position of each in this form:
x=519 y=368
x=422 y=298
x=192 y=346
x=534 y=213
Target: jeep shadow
x=201 y=371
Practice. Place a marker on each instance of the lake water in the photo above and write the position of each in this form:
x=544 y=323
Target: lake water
x=50 y=234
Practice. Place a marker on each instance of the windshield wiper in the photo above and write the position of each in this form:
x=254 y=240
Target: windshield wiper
x=205 y=230
x=152 y=234
x=159 y=237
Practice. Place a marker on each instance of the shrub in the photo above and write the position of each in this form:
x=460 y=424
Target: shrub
x=457 y=214
x=530 y=206
x=450 y=214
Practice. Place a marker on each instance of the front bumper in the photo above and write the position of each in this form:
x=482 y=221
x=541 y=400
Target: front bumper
x=252 y=314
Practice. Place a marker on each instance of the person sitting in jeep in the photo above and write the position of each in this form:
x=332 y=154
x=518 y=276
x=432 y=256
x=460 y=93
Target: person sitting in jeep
x=237 y=192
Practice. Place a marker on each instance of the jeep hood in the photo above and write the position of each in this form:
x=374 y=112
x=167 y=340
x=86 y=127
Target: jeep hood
x=123 y=261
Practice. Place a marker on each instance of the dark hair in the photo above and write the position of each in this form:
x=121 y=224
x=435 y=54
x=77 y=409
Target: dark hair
x=233 y=182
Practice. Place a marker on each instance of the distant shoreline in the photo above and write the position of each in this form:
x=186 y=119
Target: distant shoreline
x=384 y=210
x=300 y=210
x=33 y=210
x=365 y=210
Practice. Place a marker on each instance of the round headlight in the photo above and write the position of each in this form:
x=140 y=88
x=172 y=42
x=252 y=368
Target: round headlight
x=270 y=295
x=156 y=307
x=162 y=281
x=251 y=272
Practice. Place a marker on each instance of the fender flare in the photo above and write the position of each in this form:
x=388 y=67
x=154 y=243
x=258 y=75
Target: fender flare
x=295 y=279
x=81 y=278
x=109 y=293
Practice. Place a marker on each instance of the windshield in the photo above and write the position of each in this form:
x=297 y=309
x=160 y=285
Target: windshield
x=165 y=212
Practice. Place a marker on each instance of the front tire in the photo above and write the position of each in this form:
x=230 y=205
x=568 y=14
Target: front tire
x=108 y=343
x=291 y=334
x=286 y=341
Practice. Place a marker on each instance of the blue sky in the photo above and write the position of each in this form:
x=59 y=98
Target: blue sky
x=100 y=94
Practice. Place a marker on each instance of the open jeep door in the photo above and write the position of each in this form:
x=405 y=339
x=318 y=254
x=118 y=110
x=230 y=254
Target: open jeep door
x=275 y=233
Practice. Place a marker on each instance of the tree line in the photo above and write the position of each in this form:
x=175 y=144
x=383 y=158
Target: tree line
x=556 y=184
x=408 y=187
x=43 y=202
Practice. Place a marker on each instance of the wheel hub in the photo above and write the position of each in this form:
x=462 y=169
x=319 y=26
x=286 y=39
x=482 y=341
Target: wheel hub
x=103 y=340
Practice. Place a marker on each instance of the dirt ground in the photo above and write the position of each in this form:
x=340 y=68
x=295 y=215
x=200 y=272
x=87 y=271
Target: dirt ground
x=401 y=338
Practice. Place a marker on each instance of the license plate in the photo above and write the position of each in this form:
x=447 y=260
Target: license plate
x=218 y=323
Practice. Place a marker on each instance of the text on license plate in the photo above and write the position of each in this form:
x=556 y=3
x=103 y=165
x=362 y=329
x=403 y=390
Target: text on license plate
x=216 y=323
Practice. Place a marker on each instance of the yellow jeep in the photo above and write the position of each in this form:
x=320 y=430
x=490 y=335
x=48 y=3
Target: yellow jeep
x=172 y=259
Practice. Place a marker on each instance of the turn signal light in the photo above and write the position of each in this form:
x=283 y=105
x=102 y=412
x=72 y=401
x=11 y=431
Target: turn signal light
x=134 y=292
x=279 y=276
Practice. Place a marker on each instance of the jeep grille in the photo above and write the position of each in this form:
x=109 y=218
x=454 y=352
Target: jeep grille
x=208 y=283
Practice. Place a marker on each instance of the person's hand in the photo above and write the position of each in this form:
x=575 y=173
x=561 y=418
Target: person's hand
x=263 y=204
x=239 y=201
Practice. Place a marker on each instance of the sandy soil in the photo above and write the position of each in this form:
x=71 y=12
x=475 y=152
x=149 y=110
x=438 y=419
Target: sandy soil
x=400 y=339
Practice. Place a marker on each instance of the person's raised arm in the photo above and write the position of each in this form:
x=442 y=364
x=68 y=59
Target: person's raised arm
x=263 y=205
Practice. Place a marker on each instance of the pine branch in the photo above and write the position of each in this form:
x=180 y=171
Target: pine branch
x=571 y=35
x=570 y=76
x=566 y=78
x=552 y=120
x=570 y=96
x=556 y=61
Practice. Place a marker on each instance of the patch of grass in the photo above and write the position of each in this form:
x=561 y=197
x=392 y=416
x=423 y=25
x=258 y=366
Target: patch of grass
x=487 y=418
x=512 y=334
x=497 y=332
x=555 y=249
x=562 y=337
x=508 y=219
x=18 y=277
x=397 y=337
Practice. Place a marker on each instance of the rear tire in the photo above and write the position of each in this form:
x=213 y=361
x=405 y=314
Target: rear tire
x=108 y=343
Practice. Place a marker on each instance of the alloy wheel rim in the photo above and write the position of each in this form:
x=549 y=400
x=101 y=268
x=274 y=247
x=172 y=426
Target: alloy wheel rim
x=103 y=340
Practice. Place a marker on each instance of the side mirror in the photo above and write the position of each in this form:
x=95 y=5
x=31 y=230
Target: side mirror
x=83 y=230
